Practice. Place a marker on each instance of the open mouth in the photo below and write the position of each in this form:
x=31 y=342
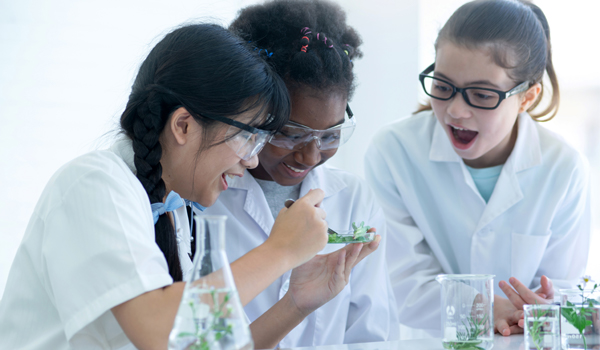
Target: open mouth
x=463 y=136
x=224 y=183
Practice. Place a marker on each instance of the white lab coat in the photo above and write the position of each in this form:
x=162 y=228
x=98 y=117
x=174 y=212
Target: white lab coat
x=537 y=221
x=89 y=246
x=365 y=309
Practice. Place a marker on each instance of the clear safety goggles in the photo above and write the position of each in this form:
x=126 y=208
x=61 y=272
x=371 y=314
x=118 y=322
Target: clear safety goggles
x=294 y=136
x=242 y=138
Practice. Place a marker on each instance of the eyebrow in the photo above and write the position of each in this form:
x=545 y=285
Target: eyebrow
x=476 y=82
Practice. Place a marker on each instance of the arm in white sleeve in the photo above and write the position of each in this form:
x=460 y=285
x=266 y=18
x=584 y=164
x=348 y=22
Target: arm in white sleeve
x=411 y=263
x=566 y=255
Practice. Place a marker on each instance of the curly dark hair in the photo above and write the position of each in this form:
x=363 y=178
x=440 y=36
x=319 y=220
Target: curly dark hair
x=307 y=42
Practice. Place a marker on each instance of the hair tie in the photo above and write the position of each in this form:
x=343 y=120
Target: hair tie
x=305 y=40
x=172 y=203
x=325 y=40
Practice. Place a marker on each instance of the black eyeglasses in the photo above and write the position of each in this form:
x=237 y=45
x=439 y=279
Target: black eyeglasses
x=477 y=97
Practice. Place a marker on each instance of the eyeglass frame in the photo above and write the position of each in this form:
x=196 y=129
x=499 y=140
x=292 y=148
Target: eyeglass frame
x=294 y=124
x=502 y=95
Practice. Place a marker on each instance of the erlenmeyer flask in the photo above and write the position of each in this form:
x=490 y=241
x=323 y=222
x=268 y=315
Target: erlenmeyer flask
x=210 y=316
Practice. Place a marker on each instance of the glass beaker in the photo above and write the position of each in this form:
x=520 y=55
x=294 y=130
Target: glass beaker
x=210 y=315
x=580 y=318
x=467 y=311
x=542 y=327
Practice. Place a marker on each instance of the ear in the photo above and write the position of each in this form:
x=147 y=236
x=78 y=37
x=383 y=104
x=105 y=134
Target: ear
x=181 y=125
x=530 y=96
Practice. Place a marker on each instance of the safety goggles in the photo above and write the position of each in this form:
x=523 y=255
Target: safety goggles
x=294 y=136
x=242 y=138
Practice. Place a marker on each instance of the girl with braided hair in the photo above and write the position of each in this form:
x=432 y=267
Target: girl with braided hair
x=473 y=183
x=101 y=261
x=311 y=47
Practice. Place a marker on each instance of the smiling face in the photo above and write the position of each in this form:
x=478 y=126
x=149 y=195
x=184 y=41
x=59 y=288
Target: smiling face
x=482 y=138
x=199 y=177
x=316 y=111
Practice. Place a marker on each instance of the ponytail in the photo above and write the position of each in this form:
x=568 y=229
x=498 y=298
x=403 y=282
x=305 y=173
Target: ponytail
x=552 y=107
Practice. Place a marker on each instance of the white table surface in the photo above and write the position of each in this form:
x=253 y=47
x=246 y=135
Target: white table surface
x=513 y=342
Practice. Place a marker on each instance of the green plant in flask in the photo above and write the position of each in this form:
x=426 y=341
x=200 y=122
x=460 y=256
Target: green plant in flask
x=580 y=315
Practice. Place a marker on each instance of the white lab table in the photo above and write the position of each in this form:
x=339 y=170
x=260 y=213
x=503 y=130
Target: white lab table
x=513 y=342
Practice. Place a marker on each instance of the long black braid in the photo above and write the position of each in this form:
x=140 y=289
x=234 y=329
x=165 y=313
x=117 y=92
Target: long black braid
x=210 y=72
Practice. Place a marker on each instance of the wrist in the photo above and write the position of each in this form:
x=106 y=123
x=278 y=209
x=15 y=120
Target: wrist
x=292 y=308
x=278 y=256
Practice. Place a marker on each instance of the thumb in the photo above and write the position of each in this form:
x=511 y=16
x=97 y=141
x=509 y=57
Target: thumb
x=314 y=197
x=502 y=327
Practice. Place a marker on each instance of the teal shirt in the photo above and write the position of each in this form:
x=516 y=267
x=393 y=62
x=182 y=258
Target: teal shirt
x=485 y=180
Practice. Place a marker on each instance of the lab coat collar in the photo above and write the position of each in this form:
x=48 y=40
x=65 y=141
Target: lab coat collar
x=526 y=153
x=123 y=147
x=441 y=148
x=325 y=178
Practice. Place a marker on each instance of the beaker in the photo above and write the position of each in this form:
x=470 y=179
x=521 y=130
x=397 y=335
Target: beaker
x=210 y=315
x=580 y=318
x=467 y=311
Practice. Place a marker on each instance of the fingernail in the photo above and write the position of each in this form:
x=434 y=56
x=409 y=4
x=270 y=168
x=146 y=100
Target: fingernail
x=511 y=280
x=501 y=284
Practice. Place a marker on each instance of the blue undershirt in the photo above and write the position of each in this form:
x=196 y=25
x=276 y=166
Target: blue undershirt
x=485 y=180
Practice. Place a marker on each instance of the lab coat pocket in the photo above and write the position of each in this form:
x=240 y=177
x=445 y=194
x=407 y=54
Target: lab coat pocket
x=527 y=252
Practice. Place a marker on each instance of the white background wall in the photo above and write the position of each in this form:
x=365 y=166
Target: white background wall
x=66 y=67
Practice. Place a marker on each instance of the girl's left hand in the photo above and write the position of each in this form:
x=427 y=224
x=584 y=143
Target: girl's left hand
x=522 y=295
x=507 y=318
x=323 y=277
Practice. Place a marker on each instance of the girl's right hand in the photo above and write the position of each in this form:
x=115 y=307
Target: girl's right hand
x=300 y=231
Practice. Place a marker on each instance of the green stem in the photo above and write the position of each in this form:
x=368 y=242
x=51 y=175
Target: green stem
x=584 y=342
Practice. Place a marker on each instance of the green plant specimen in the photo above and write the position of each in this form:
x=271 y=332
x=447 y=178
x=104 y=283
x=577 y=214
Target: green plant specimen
x=359 y=235
x=536 y=328
x=218 y=326
x=578 y=316
x=469 y=338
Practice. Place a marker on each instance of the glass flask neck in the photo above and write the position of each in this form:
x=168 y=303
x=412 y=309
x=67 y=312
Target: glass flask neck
x=210 y=245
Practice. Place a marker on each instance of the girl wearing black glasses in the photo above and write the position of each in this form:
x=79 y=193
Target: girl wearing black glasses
x=312 y=48
x=103 y=257
x=473 y=183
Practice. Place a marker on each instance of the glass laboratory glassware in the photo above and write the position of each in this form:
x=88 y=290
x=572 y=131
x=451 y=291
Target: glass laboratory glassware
x=580 y=318
x=347 y=236
x=467 y=311
x=210 y=315
x=542 y=327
